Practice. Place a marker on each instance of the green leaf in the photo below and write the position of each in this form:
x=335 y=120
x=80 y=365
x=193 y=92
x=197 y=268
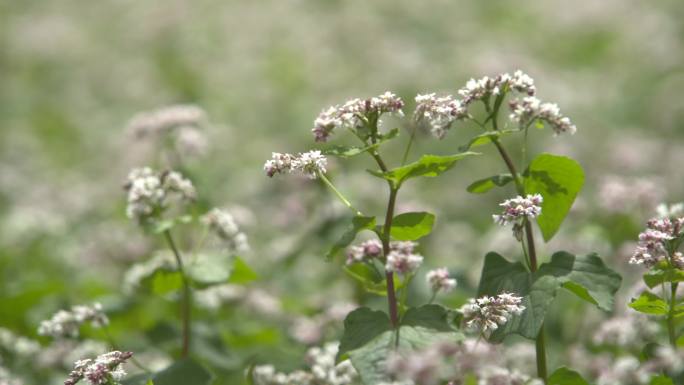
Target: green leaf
x=680 y=341
x=656 y=277
x=485 y=138
x=370 y=280
x=375 y=340
x=241 y=272
x=586 y=276
x=558 y=179
x=209 y=269
x=565 y=376
x=165 y=281
x=359 y=223
x=661 y=380
x=427 y=166
x=486 y=184
x=184 y=372
x=412 y=226
x=537 y=291
x=650 y=303
x=349 y=151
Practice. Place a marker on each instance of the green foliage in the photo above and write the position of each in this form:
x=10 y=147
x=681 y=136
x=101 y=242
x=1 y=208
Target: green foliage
x=586 y=276
x=241 y=273
x=209 y=269
x=650 y=303
x=359 y=223
x=183 y=372
x=371 y=279
x=565 y=376
x=558 y=179
x=657 y=276
x=485 y=138
x=412 y=226
x=350 y=151
x=427 y=166
x=369 y=337
x=483 y=185
x=661 y=380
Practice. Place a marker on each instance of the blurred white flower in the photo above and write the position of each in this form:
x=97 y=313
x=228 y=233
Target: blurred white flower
x=486 y=314
x=402 y=258
x=529 y=109
x=222 y=223
x=439 y=112
x=67 y=323
x=148 y=192
x=309 y=163
x=439 y=280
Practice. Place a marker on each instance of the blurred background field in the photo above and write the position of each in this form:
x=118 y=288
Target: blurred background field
x=73 y=74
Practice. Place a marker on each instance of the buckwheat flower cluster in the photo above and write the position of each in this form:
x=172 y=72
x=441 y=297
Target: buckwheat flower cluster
x=17 y=345
x=439 y=112
x=354 y=114
x=479 y=89
x=67 y=323
x=486 y=314
x=364 y=252
x=670 y=211
x=322 y=370
x=632 y=330
x=402 y=258
x=525 y=111
x=184 y=122
x=309 y=163
x=148 y=192
x=439 y=280
x=223 y=225
x=106 y=369
x=653 y=243
x=519 y=208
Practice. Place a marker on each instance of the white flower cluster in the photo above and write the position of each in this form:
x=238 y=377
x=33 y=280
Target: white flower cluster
x=17 y=345
x=149 y=190
x=439 y=280
x=364 y=252
x=311 y=330
x=223 y=224
x=215 y=296
x=525 y=111
x=425 y=367
x=629 y=370
x=184 y=122
x=674 y=210
x=322 y=370
x=439 y=112
x=632 y=330
x=479 y=89
x=402 y=258
x=67 y=323
x=354 y=114
x=486 y=314
x=309 y=163
x=653 y=243
x=518 y=208
x=106 y=369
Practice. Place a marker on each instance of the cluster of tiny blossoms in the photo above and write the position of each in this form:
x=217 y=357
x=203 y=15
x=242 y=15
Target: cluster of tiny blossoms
x=401 y=259
x=148 y=191
x=223 y=224
x=486 y=314
x=479 y=89
x=439 y=280
x=323 y=370
x=309 y=163
x=653 y=246
x=439 y=112
x=354 y=114
x=67 y=323
x=106 y=369
x=518 y=208
x=364 y=252
x=526 y=110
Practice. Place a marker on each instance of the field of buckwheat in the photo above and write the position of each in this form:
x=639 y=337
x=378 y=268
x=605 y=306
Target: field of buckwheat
x=323 y=192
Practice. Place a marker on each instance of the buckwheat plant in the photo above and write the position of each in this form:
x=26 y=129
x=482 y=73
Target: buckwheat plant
x=658 y=252
x=545 y=189
x=386 y=263
x=160 y=201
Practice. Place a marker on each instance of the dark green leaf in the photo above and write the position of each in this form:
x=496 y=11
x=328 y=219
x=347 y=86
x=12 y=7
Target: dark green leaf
x=656 y=277
x=420 y=327
x=360 y=327
x=165 y=281
x=412 y=226
x=484 y=138
x=427 y=165
x=661 y=380
x=586 y=276
x=565 y=376
x=241 y=272
x=184 y=372
x=538 y=291
x=359 y=223
x=486 y=184
x=370 y=280
x=558 y=179
x=650 y=303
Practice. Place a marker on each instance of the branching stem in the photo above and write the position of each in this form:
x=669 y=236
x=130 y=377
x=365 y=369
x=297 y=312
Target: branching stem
x=186 y=300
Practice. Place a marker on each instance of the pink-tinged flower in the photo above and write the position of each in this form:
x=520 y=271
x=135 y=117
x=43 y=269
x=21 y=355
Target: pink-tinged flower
x=309 y=163
x=402 y=258
x=439 y=280
x=519 y=208
x=439 y=112
x=525 y=111
x=105 y=369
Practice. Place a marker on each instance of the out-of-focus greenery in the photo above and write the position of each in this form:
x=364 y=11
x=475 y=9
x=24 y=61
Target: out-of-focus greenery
x=72 y=74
